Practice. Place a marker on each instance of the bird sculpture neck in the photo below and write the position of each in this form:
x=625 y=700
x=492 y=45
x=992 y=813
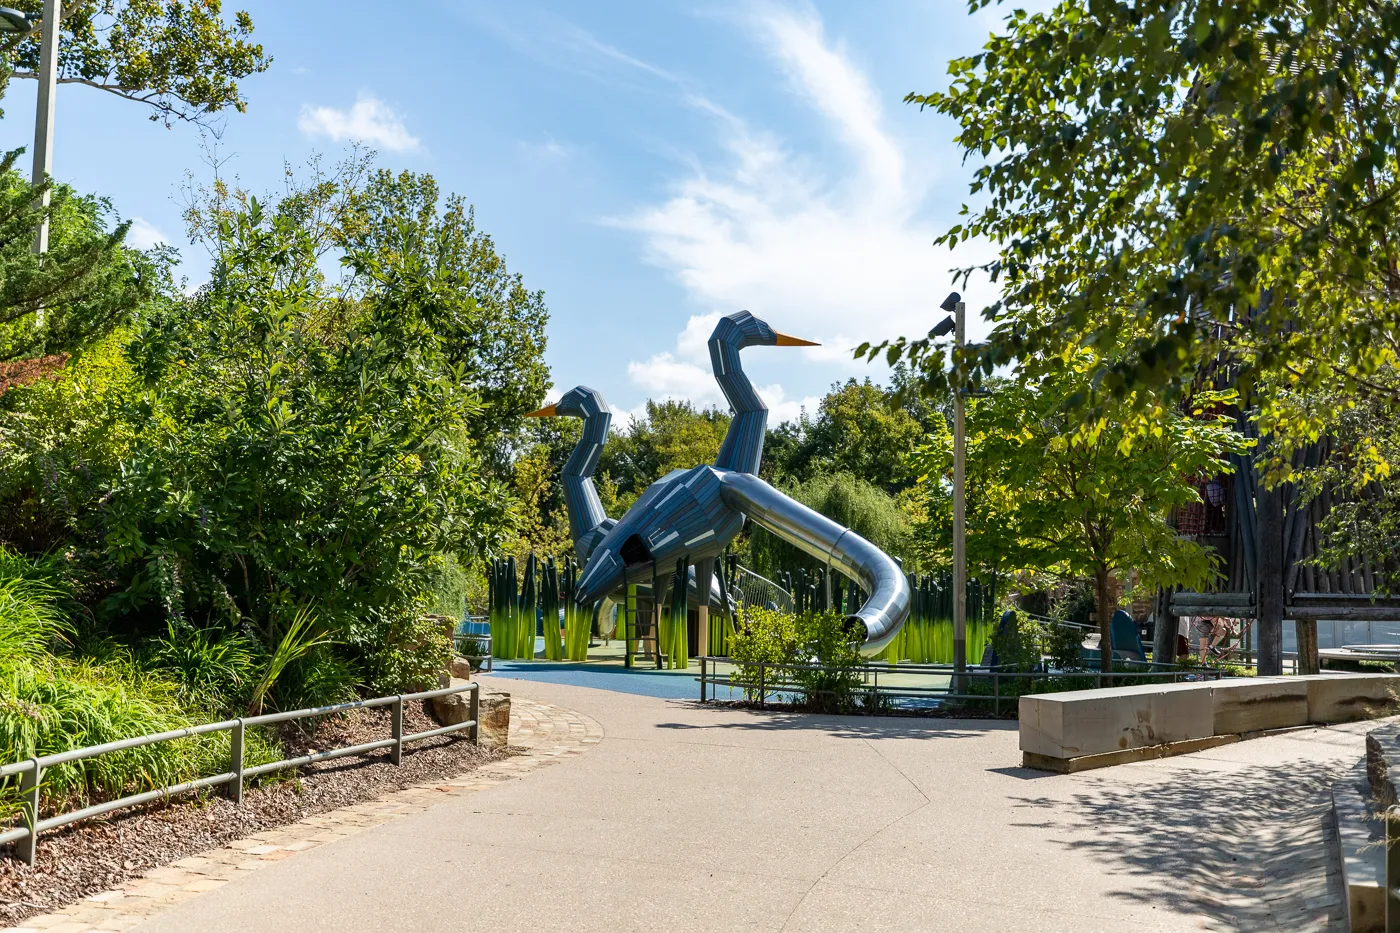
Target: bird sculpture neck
x=580 y=495
x=742 y=449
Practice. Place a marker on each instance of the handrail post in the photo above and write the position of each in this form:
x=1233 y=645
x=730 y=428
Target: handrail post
x=474 y=712
x=397 y=729
x=762 y=694
x=235 y=757
x=996 y=693
x=28 y=848
x=702 y=678
x=1392 y=870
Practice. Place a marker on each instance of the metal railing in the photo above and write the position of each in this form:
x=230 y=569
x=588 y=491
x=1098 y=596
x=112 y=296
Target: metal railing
x=752 y=589
x=869 y=673
x=31 y=771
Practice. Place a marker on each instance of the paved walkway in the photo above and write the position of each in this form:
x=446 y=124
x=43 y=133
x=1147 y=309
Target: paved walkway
x=689 y=818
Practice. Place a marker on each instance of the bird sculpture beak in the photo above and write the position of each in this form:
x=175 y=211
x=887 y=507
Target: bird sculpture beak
x=785 y=341
x=545 y=412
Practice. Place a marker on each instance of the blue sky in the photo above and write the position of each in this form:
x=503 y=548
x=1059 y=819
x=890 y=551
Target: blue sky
x=649 y=164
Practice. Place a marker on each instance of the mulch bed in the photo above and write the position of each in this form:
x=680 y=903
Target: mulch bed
x=99 y=855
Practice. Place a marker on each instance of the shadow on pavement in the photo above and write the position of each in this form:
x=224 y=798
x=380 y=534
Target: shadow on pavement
x=855 y=727
x=1248 y=848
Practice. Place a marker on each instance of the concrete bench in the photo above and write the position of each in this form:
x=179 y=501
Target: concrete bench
x=1084 y=729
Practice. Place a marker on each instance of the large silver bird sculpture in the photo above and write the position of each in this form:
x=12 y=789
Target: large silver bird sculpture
x=695 y=513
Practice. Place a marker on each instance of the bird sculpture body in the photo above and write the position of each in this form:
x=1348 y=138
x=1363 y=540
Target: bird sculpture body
x=694 y=514
x=588 y=522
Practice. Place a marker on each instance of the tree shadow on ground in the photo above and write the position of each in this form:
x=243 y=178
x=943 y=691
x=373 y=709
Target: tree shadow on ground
x=1248 y=847
x=853 y=727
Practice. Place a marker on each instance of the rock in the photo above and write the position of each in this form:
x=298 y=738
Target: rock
x=494 y=728
x=455 y=707
x=461 y=667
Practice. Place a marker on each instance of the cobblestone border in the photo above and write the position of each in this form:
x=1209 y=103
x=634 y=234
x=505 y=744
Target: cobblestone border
x=547 y=733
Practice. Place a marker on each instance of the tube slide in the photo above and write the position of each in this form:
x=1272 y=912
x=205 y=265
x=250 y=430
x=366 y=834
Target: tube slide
x=840 y=548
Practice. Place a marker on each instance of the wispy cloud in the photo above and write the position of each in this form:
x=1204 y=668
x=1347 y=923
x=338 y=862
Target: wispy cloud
x=144 y=234
x=844 y=248
x=685 y=373
x=369 y=120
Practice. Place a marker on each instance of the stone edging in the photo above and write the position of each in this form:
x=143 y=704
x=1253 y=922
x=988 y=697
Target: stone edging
x=548 y=734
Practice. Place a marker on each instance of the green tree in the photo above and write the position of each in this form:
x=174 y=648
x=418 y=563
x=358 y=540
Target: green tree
x=1048 y=491
x=1186 y=183
x=859 y=429
x=490 y=323
x=282 y=464
x=181 y=58
x=86 y=285
x=673 y=435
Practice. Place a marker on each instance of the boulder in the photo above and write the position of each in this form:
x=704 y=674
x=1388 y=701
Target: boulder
x=461 y=667
x=493 y=730
x=455 y=707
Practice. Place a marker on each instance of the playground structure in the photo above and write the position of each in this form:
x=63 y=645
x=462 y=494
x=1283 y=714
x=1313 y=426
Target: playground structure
x=688 y=517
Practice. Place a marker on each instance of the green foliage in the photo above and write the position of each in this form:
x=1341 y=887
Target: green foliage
x=1169 y=185
x=773 y=637
x=284 y=463
x=183 y=59
x=300 y=638
x=859 y=429
x=1018 y=645
x=86 y=284
x=214 y=668
x=847 y=499
x=1050 y=491
x=672 y=436
x=50 y=702
x=60 y=440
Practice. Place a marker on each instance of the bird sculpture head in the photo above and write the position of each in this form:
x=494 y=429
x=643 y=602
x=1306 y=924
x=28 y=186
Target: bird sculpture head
x=578 y=402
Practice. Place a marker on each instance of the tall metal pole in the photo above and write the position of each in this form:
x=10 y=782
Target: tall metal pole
x=43 y=113
x=960 y=515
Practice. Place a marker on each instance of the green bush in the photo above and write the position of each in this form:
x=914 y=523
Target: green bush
x=50 y=702
x=817 y=638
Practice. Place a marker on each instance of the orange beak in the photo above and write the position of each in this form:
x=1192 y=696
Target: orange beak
x=785 y=341
x=545 y=412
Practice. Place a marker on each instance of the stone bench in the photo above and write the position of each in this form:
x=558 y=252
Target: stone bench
x=1084 y=729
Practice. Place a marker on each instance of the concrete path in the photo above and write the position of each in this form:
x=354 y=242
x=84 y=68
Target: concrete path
x=689 y=818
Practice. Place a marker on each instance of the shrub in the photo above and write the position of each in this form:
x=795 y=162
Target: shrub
x=51 y=703
x=817 y=638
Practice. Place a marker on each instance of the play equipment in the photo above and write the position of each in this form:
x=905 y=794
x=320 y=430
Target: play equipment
x=588 y=522
x=691 y=515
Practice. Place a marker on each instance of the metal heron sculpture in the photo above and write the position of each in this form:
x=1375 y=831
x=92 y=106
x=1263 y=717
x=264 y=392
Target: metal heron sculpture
x=695 y=513
x=588 y=522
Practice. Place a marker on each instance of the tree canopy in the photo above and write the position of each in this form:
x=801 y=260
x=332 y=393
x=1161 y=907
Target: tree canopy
x=1185 y=183
x=182 y=58
x=1048 y=493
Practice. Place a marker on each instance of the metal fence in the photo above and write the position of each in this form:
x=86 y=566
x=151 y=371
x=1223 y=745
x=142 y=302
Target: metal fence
x=474 y=646
x=31 y=771
x=778 y=679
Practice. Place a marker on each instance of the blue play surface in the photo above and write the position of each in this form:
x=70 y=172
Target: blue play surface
x=653 y=683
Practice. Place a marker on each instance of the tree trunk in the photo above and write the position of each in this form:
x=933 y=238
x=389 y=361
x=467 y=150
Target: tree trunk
x=1307 y=646
x=1164 y=635
x=1105 y=614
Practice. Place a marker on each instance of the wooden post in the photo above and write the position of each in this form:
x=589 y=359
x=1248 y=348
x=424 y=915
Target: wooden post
x=1269 y=606
x=1307 y=646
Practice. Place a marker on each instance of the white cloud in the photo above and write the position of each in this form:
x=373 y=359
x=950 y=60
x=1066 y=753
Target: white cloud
x=369 y=120
x=144 y=234
x=839 y=253
x=686 y=374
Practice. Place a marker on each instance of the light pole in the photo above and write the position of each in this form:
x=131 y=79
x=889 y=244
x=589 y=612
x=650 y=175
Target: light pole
x=43 y=113
x=957 y=322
